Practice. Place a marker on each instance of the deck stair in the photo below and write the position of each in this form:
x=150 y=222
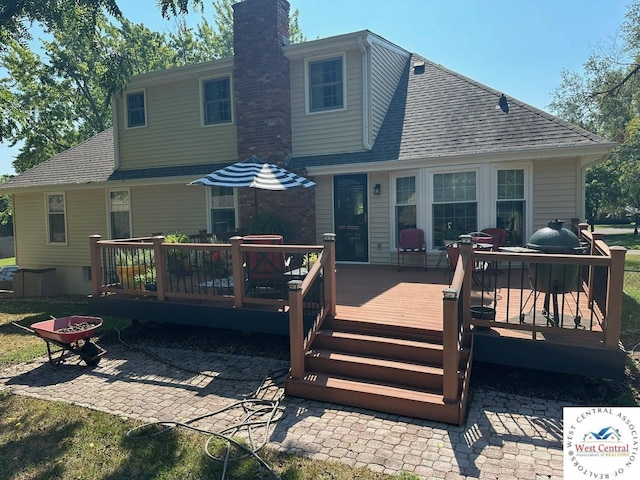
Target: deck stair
x=392 y=369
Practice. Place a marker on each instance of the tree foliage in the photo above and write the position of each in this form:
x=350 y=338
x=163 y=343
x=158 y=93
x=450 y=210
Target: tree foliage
x=605 y=98
x=55 y=99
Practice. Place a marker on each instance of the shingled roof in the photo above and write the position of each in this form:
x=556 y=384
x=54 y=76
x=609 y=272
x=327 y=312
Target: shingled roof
x=91 y=161
x=439 y=113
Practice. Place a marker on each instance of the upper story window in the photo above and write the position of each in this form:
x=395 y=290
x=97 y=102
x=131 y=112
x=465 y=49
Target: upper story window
x=326 y=84
x=56 y=218
x=136 y=109
x=216 y=96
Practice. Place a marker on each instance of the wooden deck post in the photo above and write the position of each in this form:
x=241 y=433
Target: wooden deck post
x=238 y=273
x=615 y=284
x=161 y=267
x=450 y=352
x=296 y=341
x=96 y=265
x=330 y=273
x=466 y=252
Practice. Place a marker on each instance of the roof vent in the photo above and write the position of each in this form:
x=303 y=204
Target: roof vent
x=503 y=104
x=418 y=66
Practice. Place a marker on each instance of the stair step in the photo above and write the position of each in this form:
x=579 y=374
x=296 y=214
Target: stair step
x=395 y=372
x=391 y=348
x=397 y=331
x=374 y=396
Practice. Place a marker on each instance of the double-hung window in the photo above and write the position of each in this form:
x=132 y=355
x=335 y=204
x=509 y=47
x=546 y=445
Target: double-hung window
x=223 y=212
x=455 y=206
x=216 y=97
x=405 y=204
x=136 y=109
x=326 y=84
x=56 y=218
x=120 y=214
x=510 y=204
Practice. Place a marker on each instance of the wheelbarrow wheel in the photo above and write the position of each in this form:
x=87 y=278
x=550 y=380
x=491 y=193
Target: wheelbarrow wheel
x=90 y=353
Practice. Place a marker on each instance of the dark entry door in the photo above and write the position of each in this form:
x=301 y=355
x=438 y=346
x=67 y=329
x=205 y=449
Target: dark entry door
x=350 y=216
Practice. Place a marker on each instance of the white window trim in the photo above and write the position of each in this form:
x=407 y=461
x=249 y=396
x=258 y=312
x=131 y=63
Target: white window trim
x=201 y=83
x=209 y=204
x=392 y=203
x=46 y=212
x=126 y=108
x=429 y=195
x=528 y=192
x=307 y=106
x=108 y=202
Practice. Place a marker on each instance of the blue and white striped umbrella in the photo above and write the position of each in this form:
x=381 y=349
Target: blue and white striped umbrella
x=255 y=173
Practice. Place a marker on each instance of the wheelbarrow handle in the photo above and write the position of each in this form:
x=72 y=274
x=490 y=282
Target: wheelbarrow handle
x=24 y=328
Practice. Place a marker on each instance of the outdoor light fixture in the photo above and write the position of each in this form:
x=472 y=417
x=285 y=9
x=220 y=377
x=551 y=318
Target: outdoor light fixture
x=449 y=293
x=377 y=189
x=465 y=239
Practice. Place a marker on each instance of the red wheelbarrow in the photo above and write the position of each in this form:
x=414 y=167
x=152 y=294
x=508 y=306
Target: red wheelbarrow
x=72 y=335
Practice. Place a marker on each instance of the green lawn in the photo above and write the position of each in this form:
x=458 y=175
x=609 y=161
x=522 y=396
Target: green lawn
x=7 y=261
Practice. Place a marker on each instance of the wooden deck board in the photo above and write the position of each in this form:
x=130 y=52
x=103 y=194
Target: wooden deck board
x=413 y=298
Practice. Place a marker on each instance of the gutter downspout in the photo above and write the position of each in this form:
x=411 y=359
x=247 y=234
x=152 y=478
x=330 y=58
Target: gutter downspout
x=363 y=44
x=116 y=133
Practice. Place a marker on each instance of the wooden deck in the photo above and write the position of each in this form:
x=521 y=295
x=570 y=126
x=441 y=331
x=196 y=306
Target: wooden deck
x=402 y=342
x=413 y=298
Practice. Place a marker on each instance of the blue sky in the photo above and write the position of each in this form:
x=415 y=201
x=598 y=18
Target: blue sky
x=518 y=47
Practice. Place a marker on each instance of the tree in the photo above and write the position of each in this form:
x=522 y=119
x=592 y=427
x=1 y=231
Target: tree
x=6 y=212
x=54 y=100
x=64 y=97
x=605 y=98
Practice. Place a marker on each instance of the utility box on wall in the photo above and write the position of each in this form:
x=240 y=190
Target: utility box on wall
x=35 y=282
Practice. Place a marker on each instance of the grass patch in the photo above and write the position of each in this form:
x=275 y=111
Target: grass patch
x=41 y=440
x=7 y=261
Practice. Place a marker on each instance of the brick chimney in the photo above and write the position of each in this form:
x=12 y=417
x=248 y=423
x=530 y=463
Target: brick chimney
x=263 y=110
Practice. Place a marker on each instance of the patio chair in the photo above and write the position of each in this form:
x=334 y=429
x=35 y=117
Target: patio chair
x=411 y=242
x=265 y=270
x=499 y=236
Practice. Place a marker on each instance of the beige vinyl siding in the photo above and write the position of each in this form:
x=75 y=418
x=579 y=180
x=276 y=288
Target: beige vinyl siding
x=333 y=131
x=173 y=135
x=379 y=219
x=168 y=208
x=324 y=207
x=387 y=68
x=555 y=191
x=85 y=215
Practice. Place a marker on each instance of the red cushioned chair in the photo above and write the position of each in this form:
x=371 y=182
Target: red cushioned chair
x=411 y=242
x=265 y=270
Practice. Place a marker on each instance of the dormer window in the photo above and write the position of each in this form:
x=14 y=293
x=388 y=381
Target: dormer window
x=136 y=110
x=326 y=84
x=216 y=101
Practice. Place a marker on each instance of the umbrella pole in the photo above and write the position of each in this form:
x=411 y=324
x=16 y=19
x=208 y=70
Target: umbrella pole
x=255 y=205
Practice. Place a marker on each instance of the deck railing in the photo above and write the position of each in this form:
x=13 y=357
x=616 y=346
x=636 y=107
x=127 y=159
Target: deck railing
x=197 y=271
x=313 y=298
x=574 y=295
x=456 y=319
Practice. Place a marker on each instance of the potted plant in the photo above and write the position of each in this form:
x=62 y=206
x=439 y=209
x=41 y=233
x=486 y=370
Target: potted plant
x=130 y=263
x=178 y=260
x=147 y=280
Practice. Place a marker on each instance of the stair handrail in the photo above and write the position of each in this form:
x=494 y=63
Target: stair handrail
x=299 y=341
x=456 y=322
